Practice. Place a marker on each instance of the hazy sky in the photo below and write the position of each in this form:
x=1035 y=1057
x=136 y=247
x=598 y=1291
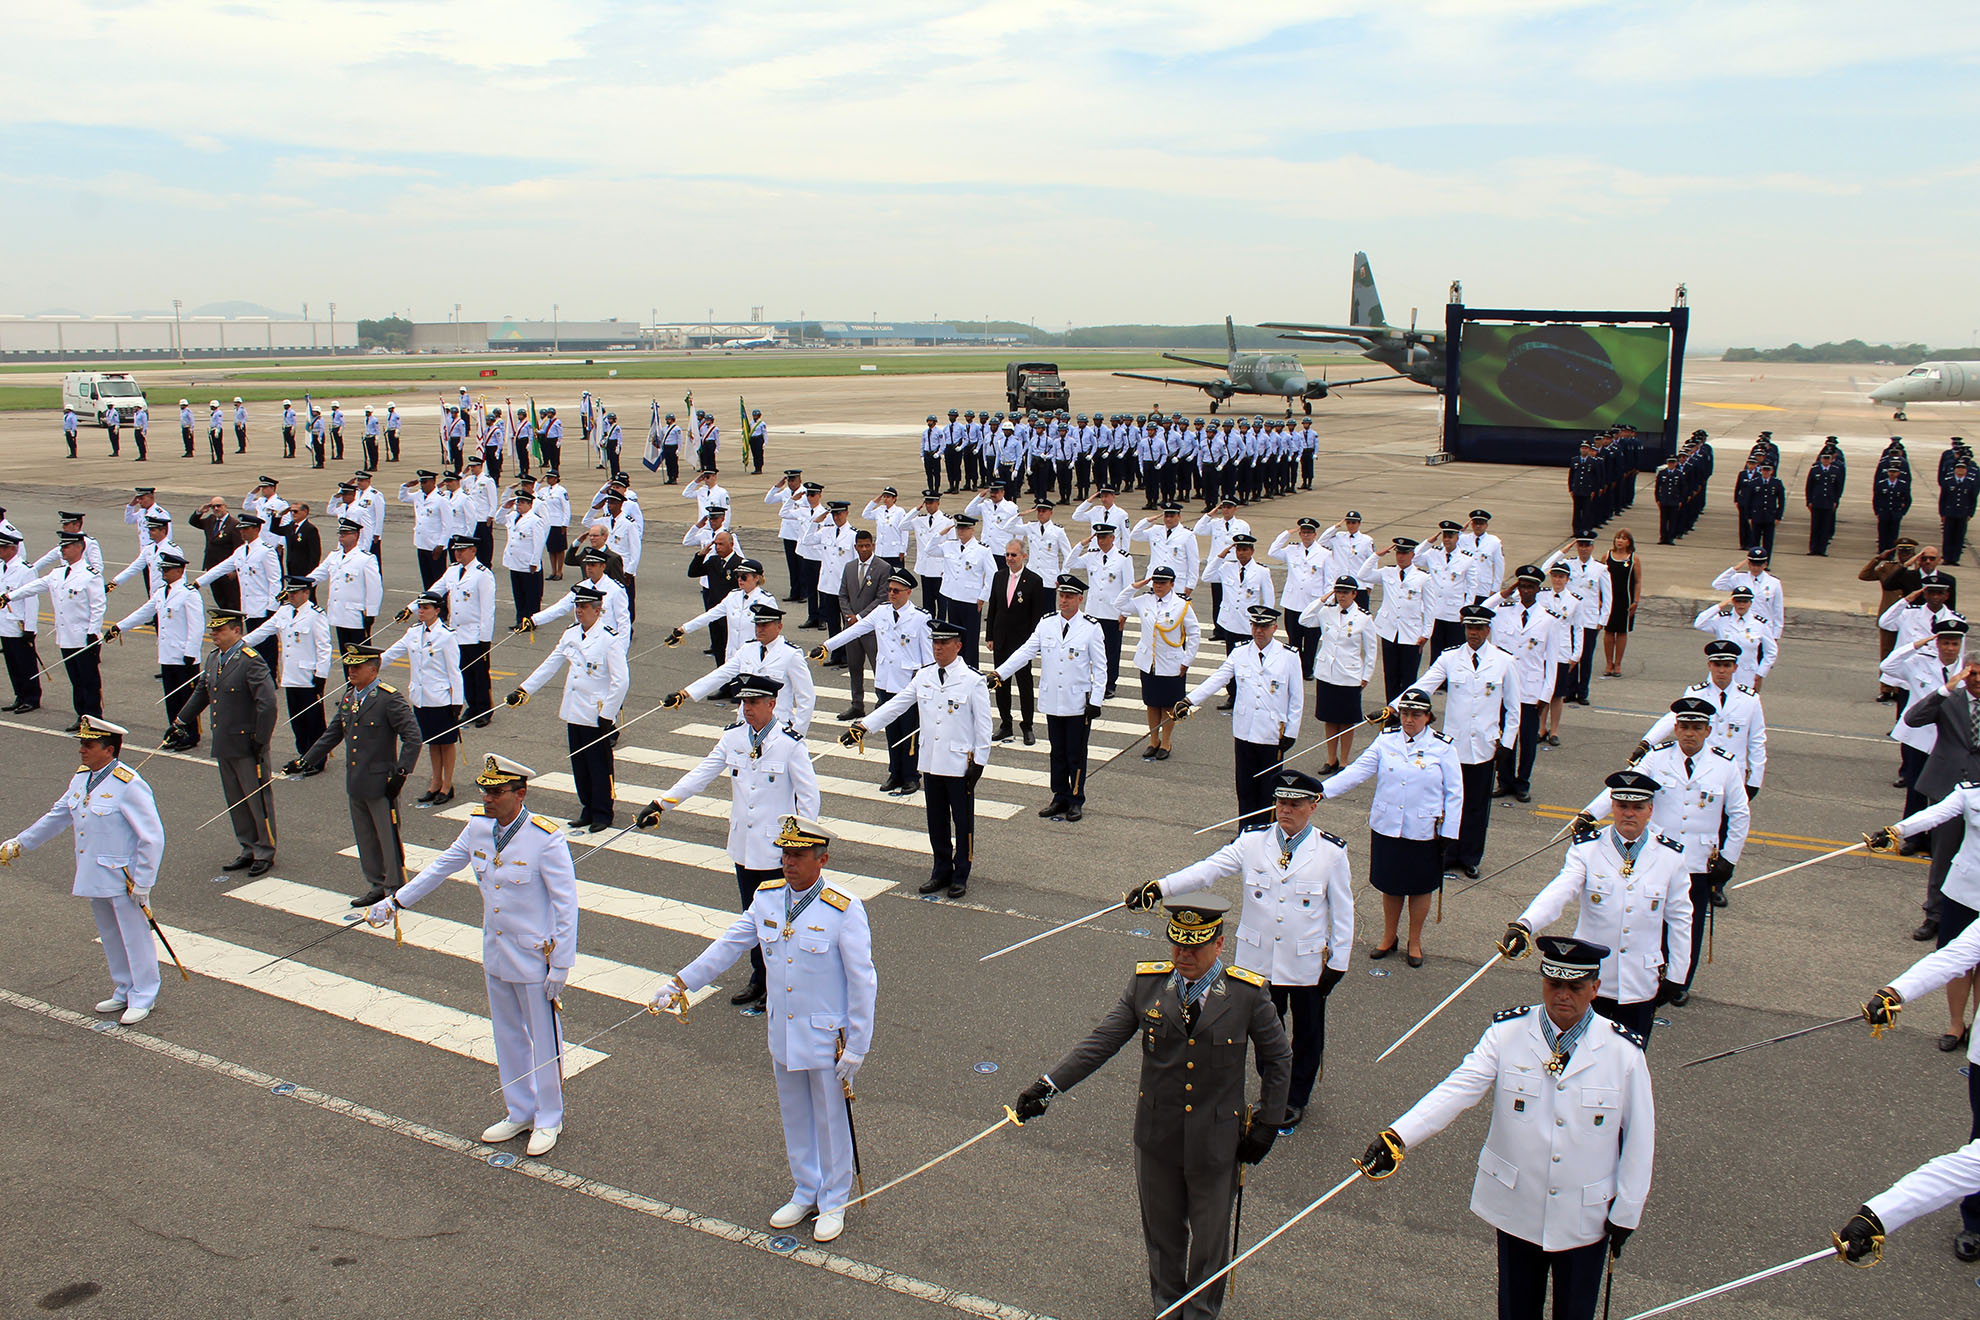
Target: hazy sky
x=1811 y=170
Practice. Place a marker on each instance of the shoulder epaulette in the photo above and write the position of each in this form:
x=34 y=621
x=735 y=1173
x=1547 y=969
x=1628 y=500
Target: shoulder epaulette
x=737 y=725
x=770 y=884
x=1967 y=783
x=610 y=629
x=544 y=823
x=791 y=729
x=1153 y=968
x=835 y=898
x=1248 y=977
x=1630 y=1036
x=1670 y=843
x=1668 y=742
x=1747 y=690
x=1720 y=751
x=477 y=811
x=249 y=650
x=1508 y=1014
x=1441 y=736
x=1587 y=833
x=386 y=687
x=124 y=773
x=1334 y=839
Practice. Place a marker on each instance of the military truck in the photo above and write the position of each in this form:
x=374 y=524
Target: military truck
x=1035 y=386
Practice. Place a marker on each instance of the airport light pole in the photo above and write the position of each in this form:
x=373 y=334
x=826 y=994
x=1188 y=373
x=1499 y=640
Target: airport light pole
x=333 y=329
x=178 y=330
x=554 y=337
x=460 y=343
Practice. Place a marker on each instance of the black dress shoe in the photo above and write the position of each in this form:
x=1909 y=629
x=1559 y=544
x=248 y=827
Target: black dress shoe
x=1056 y=807
x=482 y=723
x=958 y=891
x=1719 y=899
x=240 y=863
x=576 y=824
x=1679 y=998
x=1522 y=796
x=1005 y=734
x=856 y=713
x=261 y=866
x=1927 y=929
x=753 y=993
x=1966 y=1246
x=1029 y=737
x=73 y=727
x=424 y=798
x=1377 y=955
x=910 y=788
x=1413 y=959
x=1161 y=753
x=1151 y=753
x=890 y=785
x=933 y=884
x=1294 y=1113
x=596 y=826
x=366 y=899
x=441 y=799
x=1502 y=792
x=1074 y=813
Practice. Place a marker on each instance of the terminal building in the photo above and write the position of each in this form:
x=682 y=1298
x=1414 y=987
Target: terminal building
x=25 y=338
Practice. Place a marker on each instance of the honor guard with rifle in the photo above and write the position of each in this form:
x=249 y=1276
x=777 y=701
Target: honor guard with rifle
x=1195 y=1014
x=119 y=844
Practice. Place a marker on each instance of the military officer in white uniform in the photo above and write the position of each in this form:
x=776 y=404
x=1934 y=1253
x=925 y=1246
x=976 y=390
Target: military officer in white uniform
x=180 y=615
x=357 y=591
x=435 y=687
x=470 y=590
x=1738 y=723
x=1954 y=1176
x=119 y=843
x=592 y=562
x=1482 y=704
x=1268 y=698
x=19 y=621
x=771 y=653
x=733 y=611
x=1307 y=584
x=256 y=567
x=770 y=777
x=901 y=645
x=953 y=703
x=76 y=591
x=1072 y=680
x=818 y=954
x=594 y=690
x=1700 y=803
x=965 y=574
x=1343 y=663
x=302 y=632
x=1243 y=583
x=1566 y=1166
x=1536 y=636
x=1170 y=545
x=1297 y=926
x=1402 y=620
x=529 y=920
x=1348 y=548
x=1170 y=637
x=1629 y=885
x=1109 y=577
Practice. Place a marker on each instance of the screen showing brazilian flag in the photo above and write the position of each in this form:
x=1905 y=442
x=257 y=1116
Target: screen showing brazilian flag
x=1574 y=377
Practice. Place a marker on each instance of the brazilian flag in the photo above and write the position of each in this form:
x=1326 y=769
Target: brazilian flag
x=743 y=438
x=535 y=431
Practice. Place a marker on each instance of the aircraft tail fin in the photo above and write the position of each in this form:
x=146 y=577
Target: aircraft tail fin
x=1230 y=333
x=1365 y=307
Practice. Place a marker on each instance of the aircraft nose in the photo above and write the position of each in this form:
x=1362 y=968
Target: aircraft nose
x=1887 y=393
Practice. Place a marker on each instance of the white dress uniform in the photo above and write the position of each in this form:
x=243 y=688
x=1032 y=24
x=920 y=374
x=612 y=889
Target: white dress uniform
x=596 y=685
x=1488 y=561
x=1346 y=551
x=523 y=540
x=1115 y=515
x=1048 y=549
x=1403 y=616
x=1962 y=883
x=1270 y=693
x=998 y=521
x=1072 y=663
x=1537 y=637
x=1170 y=634
x=373 y=505
x=1451 y=574
x=932 y=532
x=1346 y=656
x=1307 y=582
x=1298 y=913
x=1172 y=548
x=1419 y=787
x=433 y=653
x=92 y=556
x=612 y=610
x=146 y=561
x=1931 y=1186
x=1220 y=531
x=1768 y=600
x=258 y=569
x=470 y=591
x=1758 y=649
x=966 y=572
x=735 y=607
x=1244 y=585
x=117 y=830
x=1109 y=575
x=76 y=591
x=1565 y=1154
x=1636 y=909
x=357 y=590
x=20 y=617
x=832 y=546
x=955 y=717
x=901 y=644
x=1692 y=802
x=1962 y=954
x=890 y=529
x=821 y=991
x=1911 y=621
x=180 y=613
x=304 y=637
x=770 y=777
x=1481 y=704
x=797 y=699
x=142 y=518
x=529 y=919
x=1738 y=725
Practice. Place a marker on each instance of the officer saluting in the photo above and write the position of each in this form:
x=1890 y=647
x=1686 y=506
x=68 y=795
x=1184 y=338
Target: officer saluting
x=1630 y=885
x=818 y=950
x=1566 y=1165
x=119 y=844
x=522 y=864
x=594 y=689
x=770 y=778
x=1072 y=660
x=1190 y=1128
x=1298 y=922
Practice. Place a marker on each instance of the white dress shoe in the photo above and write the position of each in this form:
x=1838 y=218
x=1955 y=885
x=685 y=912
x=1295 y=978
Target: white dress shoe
x=503 y=1131
x=792 y=1214
x=111 y=1006
x=133 y=1016
x=828 y=1227
x=541 y=1140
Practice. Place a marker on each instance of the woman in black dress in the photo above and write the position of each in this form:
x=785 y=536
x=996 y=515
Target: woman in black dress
x=1625 y=587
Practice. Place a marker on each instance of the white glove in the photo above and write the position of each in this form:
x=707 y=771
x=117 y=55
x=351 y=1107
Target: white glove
x=846 y=1065
x=143 y=897
x=380 y=913
x=553 y=981
x=10 y=850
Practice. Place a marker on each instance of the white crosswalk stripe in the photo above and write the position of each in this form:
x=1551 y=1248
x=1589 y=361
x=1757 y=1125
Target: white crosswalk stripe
x=353 y=1000
x=1099 y=726
x=828 y=746
x=863 y=789
x=635 y=796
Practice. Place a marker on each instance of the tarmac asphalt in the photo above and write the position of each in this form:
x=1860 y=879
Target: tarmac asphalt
x=302 y=1142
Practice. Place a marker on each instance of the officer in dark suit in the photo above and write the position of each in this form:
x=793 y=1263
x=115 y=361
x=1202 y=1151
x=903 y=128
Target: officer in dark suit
x=1190 y=1128
x=375 y=725
x=1742 y=490
x=1823 y=493
x=1770 y=453
x=1890 y=500
x=1766 y=504
x=235 y=681
x=1582 y=476
x=1018 y=600
x=1670 y=501
x=1958 y=494
x=862 y=589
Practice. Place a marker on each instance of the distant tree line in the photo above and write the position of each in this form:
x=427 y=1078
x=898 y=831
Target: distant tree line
x=392 y=332
x=1854 y=350
x=1250 y=338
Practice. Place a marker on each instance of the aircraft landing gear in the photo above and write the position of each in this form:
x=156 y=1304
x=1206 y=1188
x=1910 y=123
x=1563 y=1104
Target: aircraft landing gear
x=1213 y=404
x=1308 y=405
x=1898 y=416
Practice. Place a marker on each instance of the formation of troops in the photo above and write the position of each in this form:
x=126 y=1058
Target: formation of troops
x=1377 y=626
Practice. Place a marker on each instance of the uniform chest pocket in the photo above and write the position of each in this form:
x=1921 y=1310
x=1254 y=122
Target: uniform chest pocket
x=1522 y=1096
x=1600 y=1106
x=816 y=944
x=1601 y=890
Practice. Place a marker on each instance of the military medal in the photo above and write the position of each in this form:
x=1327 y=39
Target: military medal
x=1557 y=1062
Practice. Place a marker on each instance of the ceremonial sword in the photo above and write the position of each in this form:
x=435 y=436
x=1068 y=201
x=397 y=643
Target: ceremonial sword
x=1854 y=847
x=1066 y=925
x=1877 y=1029
x=654 y=1009
x=130 y=887
x=1336 y=1190
x=1558 y=834
x=859 y=1174
x=1442 y=1005
x=1755 y=1277
x=1010 y=1117
x=1376 y=718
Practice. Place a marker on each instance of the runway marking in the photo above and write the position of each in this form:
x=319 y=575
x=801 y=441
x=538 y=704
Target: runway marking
x=1742 y=407
x=1796 y=842
x=829 y=747
x=815 y=1257
x=880 y=836
x=600 y=976
x=859 y=788
x=659 y=848
x=348 y=998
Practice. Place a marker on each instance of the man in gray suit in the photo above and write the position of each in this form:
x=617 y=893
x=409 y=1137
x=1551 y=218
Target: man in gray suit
x=381 y=742
x=235 y=681
x=1954 y=710
x=862 y=589
x=1190 y=1128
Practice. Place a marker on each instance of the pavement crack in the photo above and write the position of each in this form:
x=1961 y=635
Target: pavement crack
x=163 y=1236
x=388 y=1237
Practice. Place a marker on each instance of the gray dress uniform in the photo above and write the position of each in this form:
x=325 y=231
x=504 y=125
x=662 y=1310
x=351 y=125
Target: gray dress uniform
x=240 y=689
x=1190 y=1113
x=381 y=742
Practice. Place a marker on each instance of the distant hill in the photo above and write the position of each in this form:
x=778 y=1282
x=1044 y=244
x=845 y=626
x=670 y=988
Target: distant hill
x=1854 y=350
x=234 y=307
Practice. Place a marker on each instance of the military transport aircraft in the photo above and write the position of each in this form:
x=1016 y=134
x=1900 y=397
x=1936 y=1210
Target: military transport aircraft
x=1273 y=375
x=1416 y=355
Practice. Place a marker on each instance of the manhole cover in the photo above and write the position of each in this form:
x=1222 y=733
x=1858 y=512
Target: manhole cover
x=283 y=1088
x=501 y=1159
x=986 y=1067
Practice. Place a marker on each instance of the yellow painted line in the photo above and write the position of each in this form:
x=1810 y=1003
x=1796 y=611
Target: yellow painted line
x=1743 y=407
x=1796 y=842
